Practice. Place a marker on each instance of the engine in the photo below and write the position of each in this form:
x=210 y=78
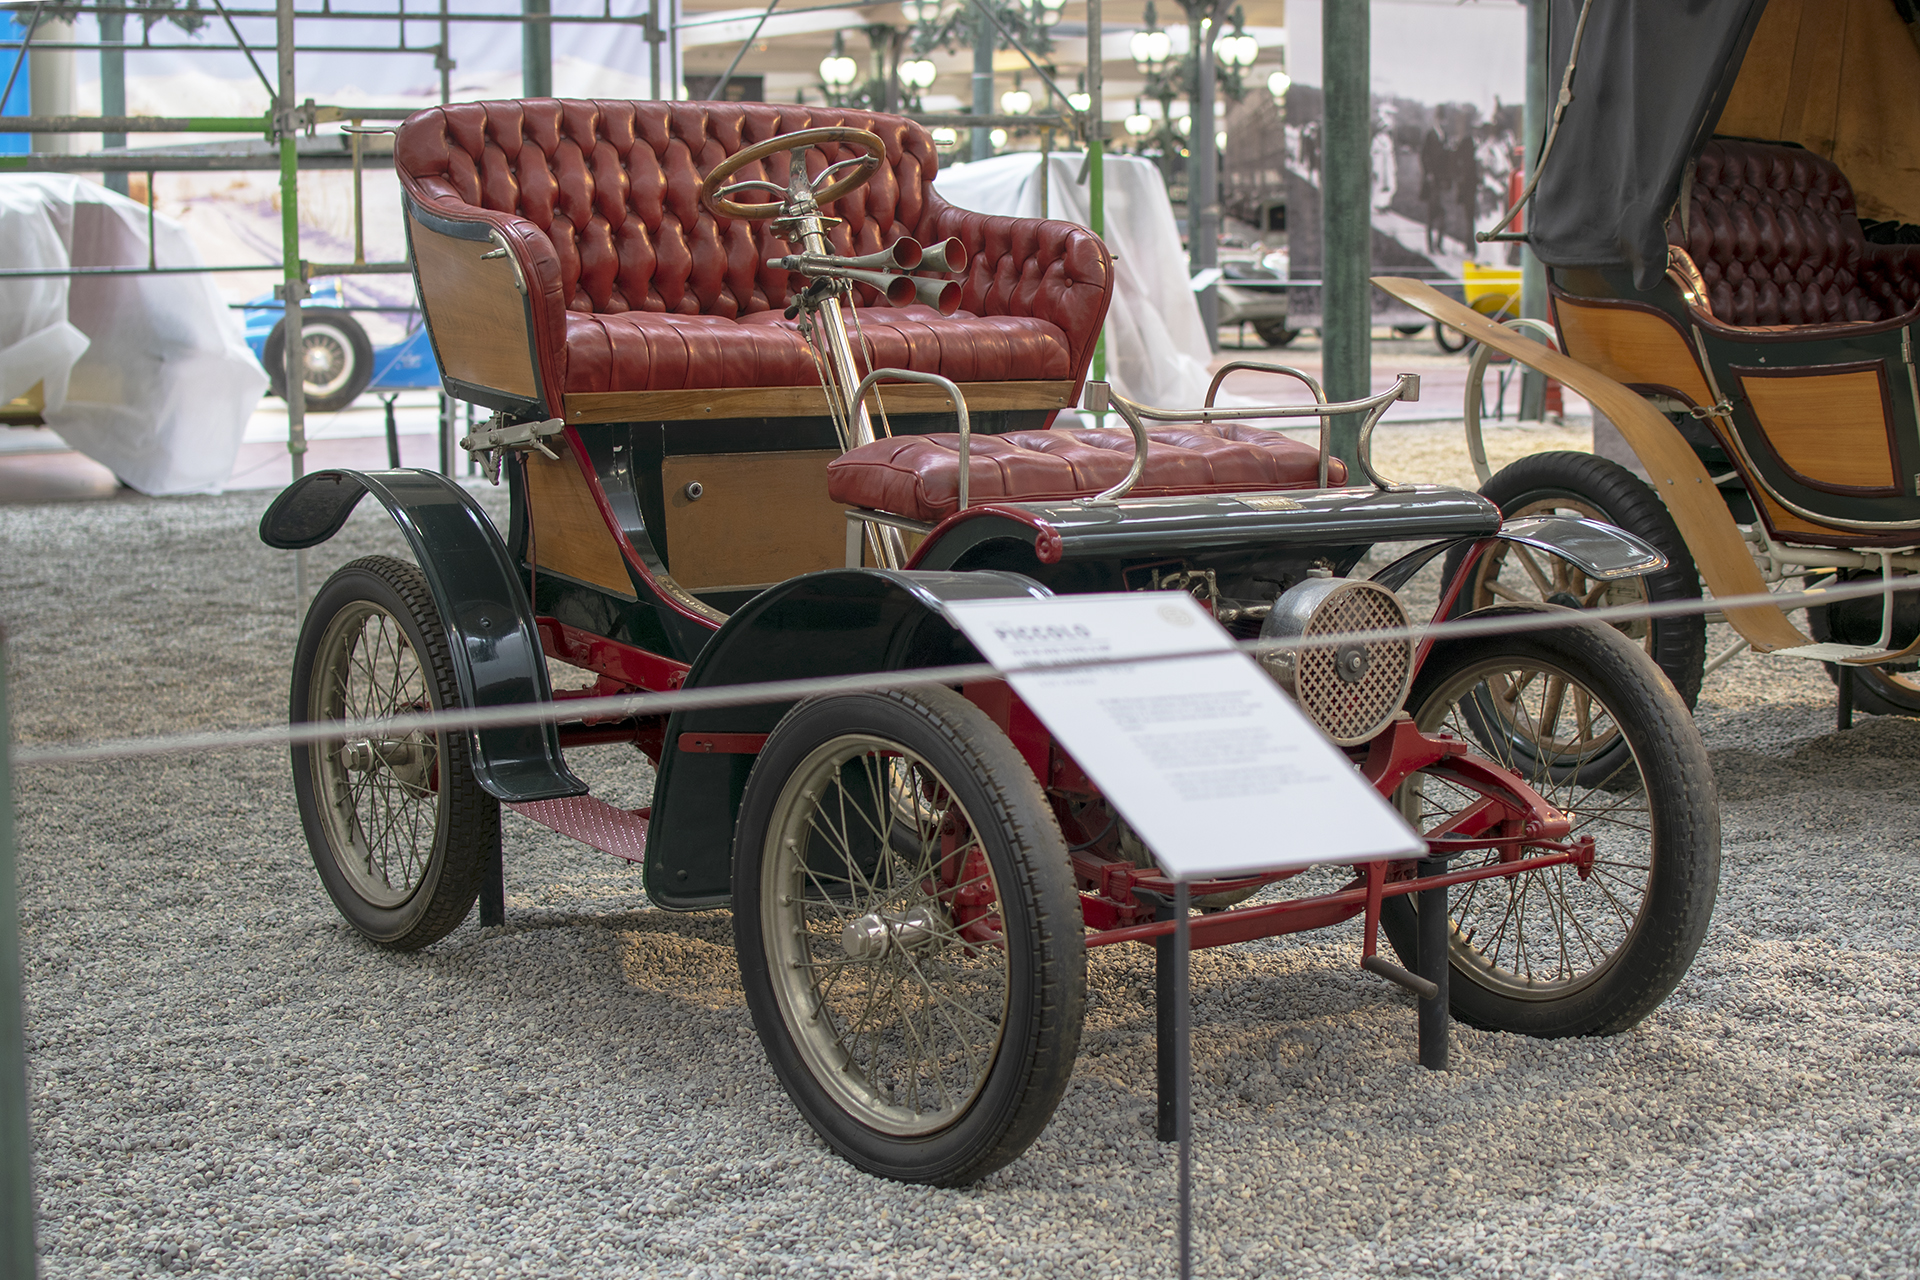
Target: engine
x=1352 y=688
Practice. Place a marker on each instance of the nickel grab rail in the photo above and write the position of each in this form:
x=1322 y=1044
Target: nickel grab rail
x=1100 y=397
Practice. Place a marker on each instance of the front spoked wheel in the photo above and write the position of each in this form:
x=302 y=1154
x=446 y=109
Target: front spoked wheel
x=908 y=933
x=398 y=826
x=1583 y=717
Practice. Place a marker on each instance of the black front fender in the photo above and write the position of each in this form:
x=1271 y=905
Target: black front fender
x=497 y=659
x=1601 y=551
x=838 y=622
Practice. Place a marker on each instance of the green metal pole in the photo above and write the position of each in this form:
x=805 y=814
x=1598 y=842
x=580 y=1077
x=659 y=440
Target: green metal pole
x=536 y=51
x=113 y=88
x=984 y=38
x=1533 y=276
x=1096 y=158
x=18 y=1255
x=294 y=288
x=1346 y=321
x=1203 y=177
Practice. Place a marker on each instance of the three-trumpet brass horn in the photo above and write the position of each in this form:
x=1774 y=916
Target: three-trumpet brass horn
x=942 y=295
x=945 y=258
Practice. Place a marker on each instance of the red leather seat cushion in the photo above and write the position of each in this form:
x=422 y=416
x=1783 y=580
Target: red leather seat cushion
x=919 y=476
x=656 y=351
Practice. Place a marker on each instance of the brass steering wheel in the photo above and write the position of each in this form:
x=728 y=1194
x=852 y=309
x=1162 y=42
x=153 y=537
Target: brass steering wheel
x=713 y=195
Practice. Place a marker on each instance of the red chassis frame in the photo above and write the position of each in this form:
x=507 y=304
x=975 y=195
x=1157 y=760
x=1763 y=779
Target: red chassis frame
x=1119 y=899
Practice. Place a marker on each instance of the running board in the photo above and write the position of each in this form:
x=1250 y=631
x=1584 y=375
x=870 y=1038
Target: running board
x=620 y=832
x=1852 y=655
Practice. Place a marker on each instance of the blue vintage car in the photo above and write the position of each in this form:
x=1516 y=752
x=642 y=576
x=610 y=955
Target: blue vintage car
x=341 y=362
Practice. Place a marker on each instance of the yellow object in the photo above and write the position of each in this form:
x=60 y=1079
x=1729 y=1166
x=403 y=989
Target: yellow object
x=25 y=410
x=1492 y=291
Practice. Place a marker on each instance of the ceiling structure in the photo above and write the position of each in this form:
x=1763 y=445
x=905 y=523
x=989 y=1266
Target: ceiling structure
x=788 y=51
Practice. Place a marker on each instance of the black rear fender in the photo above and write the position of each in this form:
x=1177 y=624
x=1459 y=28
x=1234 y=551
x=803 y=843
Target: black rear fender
x=496 y=650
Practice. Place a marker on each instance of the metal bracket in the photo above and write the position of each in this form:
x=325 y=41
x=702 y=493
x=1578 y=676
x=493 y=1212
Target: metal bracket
x=499 y=435
x=294 y=119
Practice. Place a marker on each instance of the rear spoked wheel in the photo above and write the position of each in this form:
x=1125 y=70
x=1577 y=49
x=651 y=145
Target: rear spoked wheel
x=1595 y=488
x=398 y=827
x=1581 y=715
x=908 y=933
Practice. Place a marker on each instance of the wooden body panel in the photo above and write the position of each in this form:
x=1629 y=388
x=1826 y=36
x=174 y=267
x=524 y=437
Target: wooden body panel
x=1632 y=344
x=760 y=517
x=804 y=402
x=1831 y=428
x=476 y=312
x=569 y=535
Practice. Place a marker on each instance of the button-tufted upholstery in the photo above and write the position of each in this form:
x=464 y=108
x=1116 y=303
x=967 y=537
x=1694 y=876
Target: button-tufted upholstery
x=637 y=287
x=1772 y=230
x=919 y=476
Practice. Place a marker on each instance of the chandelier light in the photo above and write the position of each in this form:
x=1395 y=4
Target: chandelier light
x=1016 y=102
x=998 y=137
x=917 y=73
x=1150 y=48
x=1278 y=83
x=1238 y=49
x=837 y=72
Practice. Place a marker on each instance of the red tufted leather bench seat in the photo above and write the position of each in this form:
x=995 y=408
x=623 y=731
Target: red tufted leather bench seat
x=630 y=285
x=919 y=476
x=1773 y=233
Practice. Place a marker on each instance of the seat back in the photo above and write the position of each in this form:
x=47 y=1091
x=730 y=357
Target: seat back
x=1773 y=233
x=614 y=187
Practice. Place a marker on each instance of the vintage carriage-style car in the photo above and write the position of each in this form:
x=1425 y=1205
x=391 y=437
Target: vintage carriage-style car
x=767 y=405
x=1727 y=212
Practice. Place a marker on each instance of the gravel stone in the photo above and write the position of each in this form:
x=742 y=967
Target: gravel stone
x=225 y=1080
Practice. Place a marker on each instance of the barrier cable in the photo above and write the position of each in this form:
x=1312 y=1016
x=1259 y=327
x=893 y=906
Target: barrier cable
x=635 y=705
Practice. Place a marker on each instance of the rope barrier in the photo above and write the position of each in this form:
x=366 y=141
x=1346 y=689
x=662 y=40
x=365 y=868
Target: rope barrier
x=627 y=706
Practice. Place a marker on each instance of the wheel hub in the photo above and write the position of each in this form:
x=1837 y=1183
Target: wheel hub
x=1565 y=599
x=323 y=361
x=870 y=936
x=408 y=758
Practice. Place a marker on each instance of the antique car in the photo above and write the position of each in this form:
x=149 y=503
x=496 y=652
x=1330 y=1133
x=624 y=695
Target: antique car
x=766 y=407
x=1725 y=209
x=341 y=362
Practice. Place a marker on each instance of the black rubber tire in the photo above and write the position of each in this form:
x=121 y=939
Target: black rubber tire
x=1876 y=690
x=1584 y=483
x=1408 y=330
x=1450 y=340
x=344 y=340
x=1275 y=333
x=1679 y=826
x=464 y=833
x=1045 y=954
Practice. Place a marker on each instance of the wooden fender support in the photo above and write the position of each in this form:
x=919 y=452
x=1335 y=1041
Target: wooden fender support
x=1675 y=471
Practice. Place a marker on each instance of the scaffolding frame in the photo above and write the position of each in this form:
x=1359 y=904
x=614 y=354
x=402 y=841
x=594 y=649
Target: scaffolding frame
x=288 y=118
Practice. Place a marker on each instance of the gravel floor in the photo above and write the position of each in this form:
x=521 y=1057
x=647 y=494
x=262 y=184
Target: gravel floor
x=225 y=1079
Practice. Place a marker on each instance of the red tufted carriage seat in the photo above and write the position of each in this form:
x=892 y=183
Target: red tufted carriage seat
x=1772 y=233
x=630 y=285
x=919 y=476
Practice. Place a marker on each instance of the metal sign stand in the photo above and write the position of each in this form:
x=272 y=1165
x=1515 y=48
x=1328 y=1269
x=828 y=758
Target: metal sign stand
x=1173 y=1026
